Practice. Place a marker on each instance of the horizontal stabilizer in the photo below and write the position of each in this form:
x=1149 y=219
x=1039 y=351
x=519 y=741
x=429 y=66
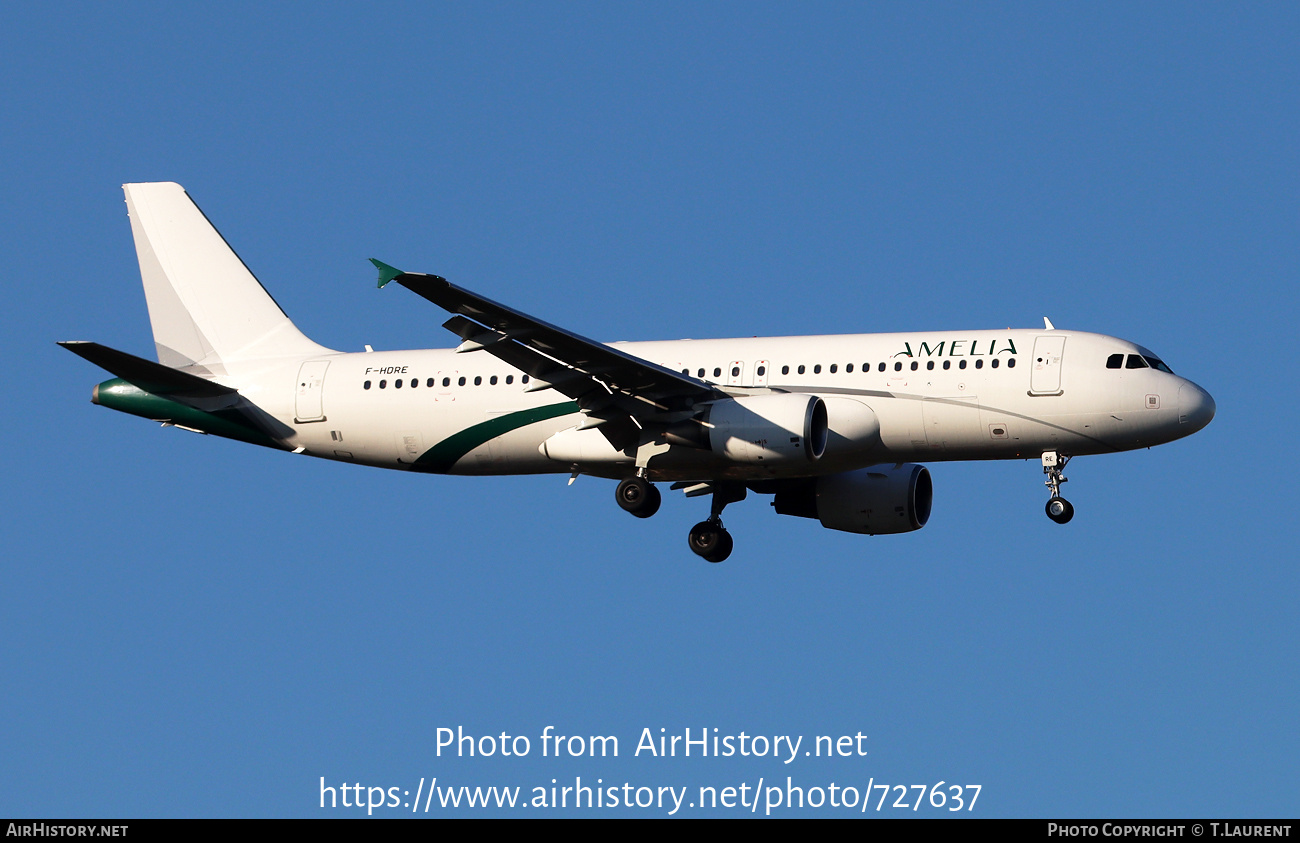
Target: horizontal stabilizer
x=146 y=374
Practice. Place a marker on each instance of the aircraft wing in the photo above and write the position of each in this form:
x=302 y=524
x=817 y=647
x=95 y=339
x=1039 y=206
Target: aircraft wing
x=619 y=392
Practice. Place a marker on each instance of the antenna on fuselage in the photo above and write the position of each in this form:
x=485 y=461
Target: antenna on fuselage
x=1047 y=324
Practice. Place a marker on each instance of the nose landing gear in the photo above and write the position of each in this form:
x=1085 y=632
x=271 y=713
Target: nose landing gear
x=1058 y=508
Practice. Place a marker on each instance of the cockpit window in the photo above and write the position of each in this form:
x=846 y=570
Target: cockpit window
x=1137 y=361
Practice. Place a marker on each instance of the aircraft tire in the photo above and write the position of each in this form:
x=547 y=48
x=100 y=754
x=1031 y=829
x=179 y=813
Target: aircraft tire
x=638 y=497
x=723 y=551
x=1060 y=510
x=711 y=541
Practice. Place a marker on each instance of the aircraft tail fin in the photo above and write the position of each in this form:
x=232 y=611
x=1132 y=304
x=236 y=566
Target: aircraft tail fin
x=206 y=308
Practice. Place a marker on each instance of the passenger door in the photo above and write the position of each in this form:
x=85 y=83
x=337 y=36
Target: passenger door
x=1045 y=372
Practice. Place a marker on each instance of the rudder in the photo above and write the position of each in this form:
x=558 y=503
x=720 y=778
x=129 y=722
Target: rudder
x=206 y=308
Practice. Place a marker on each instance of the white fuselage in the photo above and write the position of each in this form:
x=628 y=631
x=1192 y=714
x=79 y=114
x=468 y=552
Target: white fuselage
x=941 y=396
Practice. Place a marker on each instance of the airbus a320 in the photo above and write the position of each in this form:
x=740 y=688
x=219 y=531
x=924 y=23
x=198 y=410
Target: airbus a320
x=832 y=427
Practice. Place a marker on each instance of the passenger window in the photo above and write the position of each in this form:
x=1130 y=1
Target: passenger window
x=397 y=384
x=493 y=380
x=478 y=380
x=365 y=385
x=961 y=364
x=1011 y=364
x=817 y=370
x=1115 y=361
x=994 y=362
x=717 y=371
x=898 y=367
x=383 y=384
x=848 y=369
x=461 y=381
x=1135 y=361
x=446 y=381
x=882 y=367
x=947 y=364
x=929 y=364
x=915 y=365
x=801 y=369
x=833 y=368
x=735 y=371
x=785 y=370
x=524 y=379
x=762 y=370
x=700 y=373
x=979 y=364
x=510 y=379
x=429 y=383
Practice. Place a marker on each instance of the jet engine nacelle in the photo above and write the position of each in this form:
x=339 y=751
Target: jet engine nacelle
x=876 y=500
x=854 y=438
x=769 y=429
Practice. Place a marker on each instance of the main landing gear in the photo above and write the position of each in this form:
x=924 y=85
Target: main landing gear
x=1058 y=508
x=637 y=496
x=708 y=539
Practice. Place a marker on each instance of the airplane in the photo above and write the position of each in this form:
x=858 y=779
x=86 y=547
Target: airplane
x=832 y=427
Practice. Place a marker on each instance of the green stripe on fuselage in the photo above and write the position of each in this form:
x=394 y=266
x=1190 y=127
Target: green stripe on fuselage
x=441 y=457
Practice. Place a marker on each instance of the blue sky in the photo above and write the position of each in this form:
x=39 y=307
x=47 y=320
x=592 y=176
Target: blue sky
x=195 y=627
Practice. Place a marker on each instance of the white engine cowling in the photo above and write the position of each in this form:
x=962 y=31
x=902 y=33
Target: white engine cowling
x=876 y=500
x=769 y=429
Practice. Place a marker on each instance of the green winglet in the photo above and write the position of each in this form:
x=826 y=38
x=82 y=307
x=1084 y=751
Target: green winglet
x=386 y=273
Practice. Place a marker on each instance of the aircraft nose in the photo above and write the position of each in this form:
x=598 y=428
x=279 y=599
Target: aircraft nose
x=1195 y=407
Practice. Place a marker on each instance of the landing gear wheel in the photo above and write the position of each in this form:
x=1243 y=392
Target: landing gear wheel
x=724 y=549
x=637 y=496
x=711 y=541
x=1060 y=510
